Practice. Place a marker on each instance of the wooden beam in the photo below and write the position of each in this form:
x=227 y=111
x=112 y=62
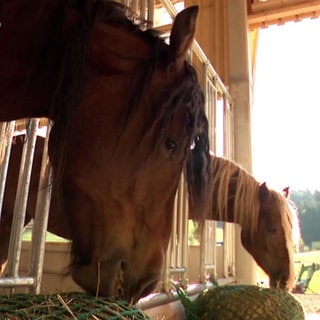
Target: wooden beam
x=266 y=13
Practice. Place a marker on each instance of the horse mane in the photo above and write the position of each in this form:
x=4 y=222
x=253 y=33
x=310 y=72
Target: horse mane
x=234 y=185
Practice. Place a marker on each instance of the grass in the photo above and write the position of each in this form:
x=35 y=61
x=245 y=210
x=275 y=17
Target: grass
x=50 y=237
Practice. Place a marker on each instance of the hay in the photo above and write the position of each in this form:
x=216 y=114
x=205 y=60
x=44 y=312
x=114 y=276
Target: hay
x=80 y=306
x=244 y=302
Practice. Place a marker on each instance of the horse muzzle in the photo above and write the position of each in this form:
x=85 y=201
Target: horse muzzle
x=113 y=280
x=282 y=281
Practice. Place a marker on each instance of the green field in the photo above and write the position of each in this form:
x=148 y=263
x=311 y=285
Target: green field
x=50 y=237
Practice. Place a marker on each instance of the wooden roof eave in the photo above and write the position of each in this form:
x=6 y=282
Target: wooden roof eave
x=263 y=14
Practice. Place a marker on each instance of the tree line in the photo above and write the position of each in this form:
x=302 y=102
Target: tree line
x=308 y=204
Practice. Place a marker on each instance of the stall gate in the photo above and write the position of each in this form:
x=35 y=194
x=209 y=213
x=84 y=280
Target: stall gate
x=213 y=259
x=7 y=133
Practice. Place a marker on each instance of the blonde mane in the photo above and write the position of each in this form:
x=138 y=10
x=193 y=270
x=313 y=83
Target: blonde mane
x=235 y=189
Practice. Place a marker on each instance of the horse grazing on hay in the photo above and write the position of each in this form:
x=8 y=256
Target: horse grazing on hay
x=126 y=108
x=265 y=216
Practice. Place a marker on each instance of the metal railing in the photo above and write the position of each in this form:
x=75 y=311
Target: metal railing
x=12 y=278
x=219 y=111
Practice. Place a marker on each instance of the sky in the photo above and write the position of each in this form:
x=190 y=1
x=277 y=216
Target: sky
x=286 y=106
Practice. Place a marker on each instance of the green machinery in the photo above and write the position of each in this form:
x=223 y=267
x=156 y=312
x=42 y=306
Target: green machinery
x=305 y=276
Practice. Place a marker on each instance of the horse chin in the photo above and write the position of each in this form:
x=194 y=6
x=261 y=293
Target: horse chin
x=113 y=280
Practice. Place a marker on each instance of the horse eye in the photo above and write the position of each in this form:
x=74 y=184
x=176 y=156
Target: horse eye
x=171 y=145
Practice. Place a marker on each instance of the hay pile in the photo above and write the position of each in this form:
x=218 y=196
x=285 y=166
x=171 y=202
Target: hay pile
x=242 y=302
x=80 y=306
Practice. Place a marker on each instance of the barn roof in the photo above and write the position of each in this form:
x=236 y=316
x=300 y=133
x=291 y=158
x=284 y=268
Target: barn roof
x=263 y=13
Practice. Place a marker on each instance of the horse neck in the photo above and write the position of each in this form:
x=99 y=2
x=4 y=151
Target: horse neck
x=20 y=42
x=235 y=194
x=225 y=179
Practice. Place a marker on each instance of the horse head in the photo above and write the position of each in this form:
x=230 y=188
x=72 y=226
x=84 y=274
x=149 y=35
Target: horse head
x=271 y=243
x=143 y=108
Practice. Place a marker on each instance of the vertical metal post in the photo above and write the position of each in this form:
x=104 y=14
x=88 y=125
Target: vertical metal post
x=143 y=9
x=7 y=130
x=134 y=6
x=150 y=16
x=178 y=258
x=202 y=230
x=41 y=219
x=184 y=244
x=21 y=201
x=225 y=249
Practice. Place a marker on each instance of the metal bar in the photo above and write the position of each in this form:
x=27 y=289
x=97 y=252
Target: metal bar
x=202 y=266
x=13 y=282
x=143 y=9
x=185 y=224
x=225 y=249
x=178 y=270
x=41 y=219
x=170 y=254
x=172 y=11
x=205 y=87
x=134 y=6
x=214 y=249
x=174 y=231
x=21 y=201
x=150 y=16
x=179 y=224
x=165 y=286
x=209 y=267
x=7 y=130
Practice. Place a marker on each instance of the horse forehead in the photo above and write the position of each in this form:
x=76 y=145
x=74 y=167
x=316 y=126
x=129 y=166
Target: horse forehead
x=110 y=43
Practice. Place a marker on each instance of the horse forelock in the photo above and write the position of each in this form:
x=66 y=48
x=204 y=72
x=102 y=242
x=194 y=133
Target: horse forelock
x=198 y=169
x=236 y=194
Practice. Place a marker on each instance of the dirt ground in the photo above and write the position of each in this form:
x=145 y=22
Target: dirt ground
x=310 y=302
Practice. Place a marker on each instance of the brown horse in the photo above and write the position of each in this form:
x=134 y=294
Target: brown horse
x=126 y=108
x=265 y=217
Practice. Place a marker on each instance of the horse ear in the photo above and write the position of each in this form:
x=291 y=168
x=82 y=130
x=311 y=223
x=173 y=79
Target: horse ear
x=182 y=35
x=286 y=192
x=263 y=191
